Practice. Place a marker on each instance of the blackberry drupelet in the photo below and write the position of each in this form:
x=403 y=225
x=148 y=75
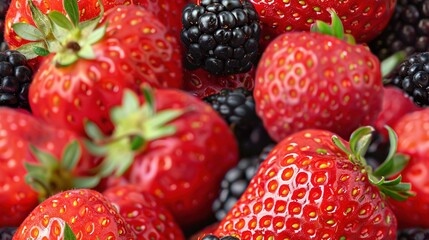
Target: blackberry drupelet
x=408 y=30
x=15 y=79
x=237 y=108
x=412 y=76
x=221 y=36
x=213 y=237
x=6 y=233
x=4 y=6
x=413 y=234
x=235 y=183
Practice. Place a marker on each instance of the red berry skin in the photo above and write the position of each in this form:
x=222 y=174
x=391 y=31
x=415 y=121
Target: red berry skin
x=17 y=131
x=413 y=140
x=308 y=189
x=395 y=105
x=363 y=19
x=137 y=50
x=88 y=213
x=184 y=170
x=147 y=217
x=310 y=80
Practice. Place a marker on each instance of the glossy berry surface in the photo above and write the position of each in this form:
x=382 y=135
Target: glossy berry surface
x=222 y=37
x=413 y=234
x=6 y=233
x=4 y=6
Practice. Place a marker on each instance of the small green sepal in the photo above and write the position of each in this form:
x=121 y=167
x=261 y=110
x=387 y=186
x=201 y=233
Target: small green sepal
x=68 y=232
x=335 y=29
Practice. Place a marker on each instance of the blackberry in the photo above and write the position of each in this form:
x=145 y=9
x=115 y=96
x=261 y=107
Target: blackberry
x=377 y=151
x=413 y=234
x=213 y=237
x=407 y=30
x=235 y=183
x=412 y=76
x=221 y=36
x=4 y=6
x=6 y=233
x=15 y=79
x=237 y=108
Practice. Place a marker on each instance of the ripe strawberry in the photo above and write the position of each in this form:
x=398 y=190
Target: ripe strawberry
x=84 y=79
x=20 y=131
x=314 y=185
x=362 y=19
x=312 y=80
x=88 y=214
x=174 y=146
x=413 y=140
x=201 y=84
x=147 y=217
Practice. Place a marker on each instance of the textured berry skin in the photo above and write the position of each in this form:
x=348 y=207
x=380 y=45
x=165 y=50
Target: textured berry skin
x=15 y=79
x=308 y=189
x=408 y=30
x=184 y=170
x=146 y=216
x=201 y=83
x=88 y=213
x=222 y=37
x=413 y=234
x=363 y=19
x=18 y=130
x=413 y=140
x=412 y=76
x=6 y=233
x=310 y=80
x=136 y=50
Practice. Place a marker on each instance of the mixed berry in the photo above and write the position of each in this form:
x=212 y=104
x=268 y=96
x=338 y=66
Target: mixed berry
x=214 y=119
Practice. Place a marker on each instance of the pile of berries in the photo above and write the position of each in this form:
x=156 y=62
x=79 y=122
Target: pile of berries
x=214 y=119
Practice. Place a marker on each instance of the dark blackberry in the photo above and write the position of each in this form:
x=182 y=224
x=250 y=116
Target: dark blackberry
x=15 y=79
x=221 y=36
x=412 y=76
x=377 y=151
x=213 y=237
x=235 y=183
x=237 y=107
x=6 y=233
x=413 y=234
x=408 y=30
x=4 y=6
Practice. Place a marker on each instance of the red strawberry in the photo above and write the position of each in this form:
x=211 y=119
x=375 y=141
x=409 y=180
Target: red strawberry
x=413 y=140
x=202 y=84
x=313 y=185
x=363 y=19
x=312 y=80
x=88 y=78
x=18 y=132
x=147 y=217
x=88 y=213
x=174 y=146
x=395 y=105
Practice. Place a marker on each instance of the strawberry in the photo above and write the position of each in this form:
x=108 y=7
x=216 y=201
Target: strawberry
x=85 y=75
x=362 y=19
x=314 y=185
x=201 y=83
x=173 y=145
x=87 y=213
x=24 y=141
x=147 y=217
x=413 y=140
x=313 y=80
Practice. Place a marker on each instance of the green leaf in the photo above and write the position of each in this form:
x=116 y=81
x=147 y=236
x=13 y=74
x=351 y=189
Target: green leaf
x=163 y=117
x=34 y=169
x=40 y=51
x=86 y=52
x=124 y=164
x=97 y=35
x=41 y=20
x=28 y=32
x=137 y=142
x=68 y=232
x=150 y=98
x=94 y=149
x=71 y=156
x=60 y=35
x=359 y=142
x=86 y=182
x=340 y=145
x=130 y=102
x=337 y=25
x=390 y=63
x=322 y=27
x=65 y=59
x=93 y=131
x=60 y=20
x=72 y=10
x=45 y=158
x=28 y=49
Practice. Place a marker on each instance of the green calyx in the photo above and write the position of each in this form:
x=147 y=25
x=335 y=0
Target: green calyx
x=68 y=233
x=336 y=28
x=392 y=166
x=57 y=33
x=51 y=175
x=135 y=126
